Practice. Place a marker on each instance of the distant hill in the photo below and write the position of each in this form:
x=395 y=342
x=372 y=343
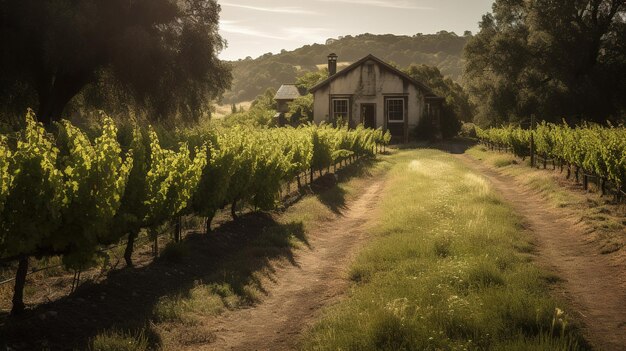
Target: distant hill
x=253 y=76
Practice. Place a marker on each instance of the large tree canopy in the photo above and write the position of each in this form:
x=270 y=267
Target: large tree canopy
x=161 y=53
x=456 y=107
x=552 y=58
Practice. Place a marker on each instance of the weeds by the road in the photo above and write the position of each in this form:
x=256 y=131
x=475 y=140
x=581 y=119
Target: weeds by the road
x=608 y=220
x=120 y=341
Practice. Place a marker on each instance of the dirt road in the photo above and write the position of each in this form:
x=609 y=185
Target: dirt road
x=300 y=292
x=593 y=287
x=591 y=284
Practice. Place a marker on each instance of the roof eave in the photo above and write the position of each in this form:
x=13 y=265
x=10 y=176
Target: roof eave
x=344 y=71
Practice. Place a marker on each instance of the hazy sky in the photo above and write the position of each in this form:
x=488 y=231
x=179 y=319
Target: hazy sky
x=253 y=27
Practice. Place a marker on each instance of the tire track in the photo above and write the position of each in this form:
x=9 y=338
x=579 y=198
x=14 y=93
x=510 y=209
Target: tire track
x=591 y=284
x=317 y=280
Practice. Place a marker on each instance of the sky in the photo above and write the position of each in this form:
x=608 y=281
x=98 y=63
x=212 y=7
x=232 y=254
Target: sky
x=253 y=27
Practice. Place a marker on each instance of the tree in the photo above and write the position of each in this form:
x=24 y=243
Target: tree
x=550 y=58
x=162 y=53
x=310 y=79
x=260 y=114
x=265 y=101
x=301 y=109
x=456 y=107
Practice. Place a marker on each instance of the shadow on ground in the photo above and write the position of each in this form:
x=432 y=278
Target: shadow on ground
x=456 y=146
x=335 y=197
x=126 y=299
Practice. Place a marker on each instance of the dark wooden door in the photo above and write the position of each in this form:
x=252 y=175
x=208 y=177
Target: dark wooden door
x=368 y=115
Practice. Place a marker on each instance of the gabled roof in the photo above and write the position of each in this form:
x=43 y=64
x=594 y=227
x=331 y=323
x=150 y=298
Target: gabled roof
x=343 y=72
x=289 y=92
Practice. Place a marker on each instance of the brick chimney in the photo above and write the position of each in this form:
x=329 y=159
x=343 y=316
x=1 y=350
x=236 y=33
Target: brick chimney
x=332 y=64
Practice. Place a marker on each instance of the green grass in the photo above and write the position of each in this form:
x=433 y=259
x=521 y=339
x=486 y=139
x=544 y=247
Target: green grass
x=606 y=219
x=543 y=182
x=202 y=300
x=448 y=268
x=119 y=341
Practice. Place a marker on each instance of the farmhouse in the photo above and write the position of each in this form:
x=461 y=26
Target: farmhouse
x=376 y=94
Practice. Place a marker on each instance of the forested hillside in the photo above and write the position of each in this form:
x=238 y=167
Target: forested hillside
x=252 y=76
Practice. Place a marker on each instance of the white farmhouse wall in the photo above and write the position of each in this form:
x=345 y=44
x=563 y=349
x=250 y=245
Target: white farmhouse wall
x=354 y=85
x=321 y=108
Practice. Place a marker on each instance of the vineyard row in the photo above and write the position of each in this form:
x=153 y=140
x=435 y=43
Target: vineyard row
x=66 y=194
x=590 y=149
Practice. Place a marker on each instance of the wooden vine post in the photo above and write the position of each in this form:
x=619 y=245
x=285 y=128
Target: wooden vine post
x=178 y=229
x=20 y=282
x=532 y=141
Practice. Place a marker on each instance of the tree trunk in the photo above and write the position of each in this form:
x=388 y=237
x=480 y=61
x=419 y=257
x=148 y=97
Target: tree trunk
x=233 y=210
x=155 y=246
x=178 y=229
x=20 y=282
x=128 y=253
x=209 y=219
x=50 y=110
x=55 y=92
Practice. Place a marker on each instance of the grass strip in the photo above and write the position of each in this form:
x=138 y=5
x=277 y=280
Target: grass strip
x=449 y=268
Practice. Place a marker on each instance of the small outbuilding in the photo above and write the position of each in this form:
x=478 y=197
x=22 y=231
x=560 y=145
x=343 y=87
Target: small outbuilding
x=374 y=93
x=287 y=93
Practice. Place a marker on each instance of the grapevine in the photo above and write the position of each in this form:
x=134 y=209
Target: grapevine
x=65 y=194
x=591 y=148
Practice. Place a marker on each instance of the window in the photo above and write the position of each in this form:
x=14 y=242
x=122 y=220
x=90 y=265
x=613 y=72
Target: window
x=395 y=110
x=341 y=109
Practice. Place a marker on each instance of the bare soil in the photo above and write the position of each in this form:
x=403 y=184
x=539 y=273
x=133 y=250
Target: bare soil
x=126 y=298
x=593 y=284
x=318 y=278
